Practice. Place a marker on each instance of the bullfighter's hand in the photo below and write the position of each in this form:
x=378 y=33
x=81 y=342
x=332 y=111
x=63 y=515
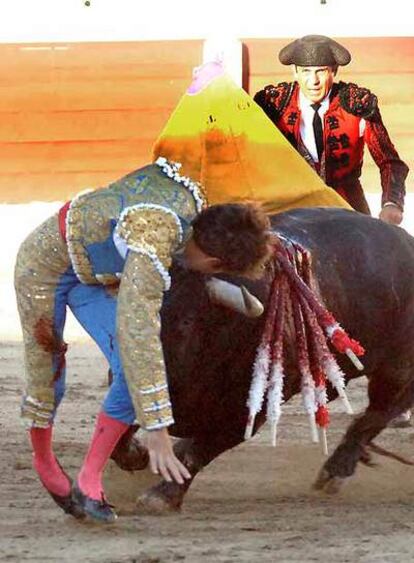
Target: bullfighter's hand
x=162 y=458
x=391 y=214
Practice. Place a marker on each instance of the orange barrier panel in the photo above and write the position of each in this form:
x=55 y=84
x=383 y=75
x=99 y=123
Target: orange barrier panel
x=79 y=115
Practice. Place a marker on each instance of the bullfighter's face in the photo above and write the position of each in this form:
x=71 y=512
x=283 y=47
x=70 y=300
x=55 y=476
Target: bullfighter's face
x=315 y=81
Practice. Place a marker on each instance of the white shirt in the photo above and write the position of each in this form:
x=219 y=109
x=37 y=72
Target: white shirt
x=306 y=122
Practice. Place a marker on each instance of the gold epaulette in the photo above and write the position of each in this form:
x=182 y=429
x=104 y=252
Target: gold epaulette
x=152 y=230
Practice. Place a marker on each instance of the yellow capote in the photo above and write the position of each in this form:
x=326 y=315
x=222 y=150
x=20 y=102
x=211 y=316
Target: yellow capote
x=224 y=140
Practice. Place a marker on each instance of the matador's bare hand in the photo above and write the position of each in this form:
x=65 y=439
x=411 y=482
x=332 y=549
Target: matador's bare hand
x=391 y=214
x=162 y=458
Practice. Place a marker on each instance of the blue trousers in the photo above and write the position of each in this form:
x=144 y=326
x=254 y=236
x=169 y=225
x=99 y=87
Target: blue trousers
x=95 y=309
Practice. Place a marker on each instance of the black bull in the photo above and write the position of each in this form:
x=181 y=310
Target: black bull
x=364 y=270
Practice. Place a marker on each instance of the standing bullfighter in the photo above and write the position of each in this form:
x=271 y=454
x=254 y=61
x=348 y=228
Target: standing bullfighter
x=329 y=123
x=124 y=233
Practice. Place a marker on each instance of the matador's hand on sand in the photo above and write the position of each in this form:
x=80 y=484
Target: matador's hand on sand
x=162 y=458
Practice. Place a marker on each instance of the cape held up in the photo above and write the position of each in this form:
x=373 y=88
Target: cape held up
x=225 y=141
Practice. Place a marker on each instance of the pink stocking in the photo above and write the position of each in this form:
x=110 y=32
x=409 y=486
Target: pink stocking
x=107 y=432
x=50 y=473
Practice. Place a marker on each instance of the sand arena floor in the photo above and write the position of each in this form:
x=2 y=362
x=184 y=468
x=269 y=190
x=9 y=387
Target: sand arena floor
x=252 y=504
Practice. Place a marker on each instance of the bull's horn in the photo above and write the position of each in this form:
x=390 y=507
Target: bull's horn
x=234 y=297
x=254 y=307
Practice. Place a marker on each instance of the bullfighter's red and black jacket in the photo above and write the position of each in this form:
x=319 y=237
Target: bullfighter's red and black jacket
x=342 y=159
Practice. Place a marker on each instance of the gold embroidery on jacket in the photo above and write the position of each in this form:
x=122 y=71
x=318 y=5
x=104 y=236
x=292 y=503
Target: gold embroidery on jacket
x=41 y=261
x=138 y=331
x=152 y=230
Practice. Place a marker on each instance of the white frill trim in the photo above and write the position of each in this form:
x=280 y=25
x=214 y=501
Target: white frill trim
x=309 y=403
x=337 y=378
x=259 y=380
x=334 y=373
x=156 y=262
x=331 y=329
x=275 y=399
x=321 y=396
x=158 y=265
x=308 y=393
x=171 y=170
x=257 y=387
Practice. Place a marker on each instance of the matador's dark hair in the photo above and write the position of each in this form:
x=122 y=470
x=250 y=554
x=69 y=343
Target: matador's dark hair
x=238 y=234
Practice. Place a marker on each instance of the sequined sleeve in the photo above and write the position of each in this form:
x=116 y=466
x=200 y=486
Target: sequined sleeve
x=151 y=235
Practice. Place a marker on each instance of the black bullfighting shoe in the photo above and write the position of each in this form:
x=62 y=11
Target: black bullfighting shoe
x=66 y=502
x=68 y=505
x=98 y=510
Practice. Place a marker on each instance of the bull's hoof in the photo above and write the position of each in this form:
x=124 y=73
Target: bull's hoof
x=321 y=480
x=334 y=485
x=366 y=458
x=403 y=420
x=153 y=502
x=328 y=483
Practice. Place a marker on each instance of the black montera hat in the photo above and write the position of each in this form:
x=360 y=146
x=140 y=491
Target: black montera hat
x=314 y=50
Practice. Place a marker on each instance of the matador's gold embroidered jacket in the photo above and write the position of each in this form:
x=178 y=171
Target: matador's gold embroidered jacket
x=128 y=231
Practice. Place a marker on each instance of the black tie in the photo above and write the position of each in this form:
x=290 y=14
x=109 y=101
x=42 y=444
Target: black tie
x=317 y=129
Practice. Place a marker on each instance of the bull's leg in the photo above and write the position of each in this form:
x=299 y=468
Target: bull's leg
x=194 y=454
x=390 y=393
x=130 y=454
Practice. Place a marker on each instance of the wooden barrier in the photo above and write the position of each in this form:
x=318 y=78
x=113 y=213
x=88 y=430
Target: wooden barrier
x=83 y=114
x=79 y=115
